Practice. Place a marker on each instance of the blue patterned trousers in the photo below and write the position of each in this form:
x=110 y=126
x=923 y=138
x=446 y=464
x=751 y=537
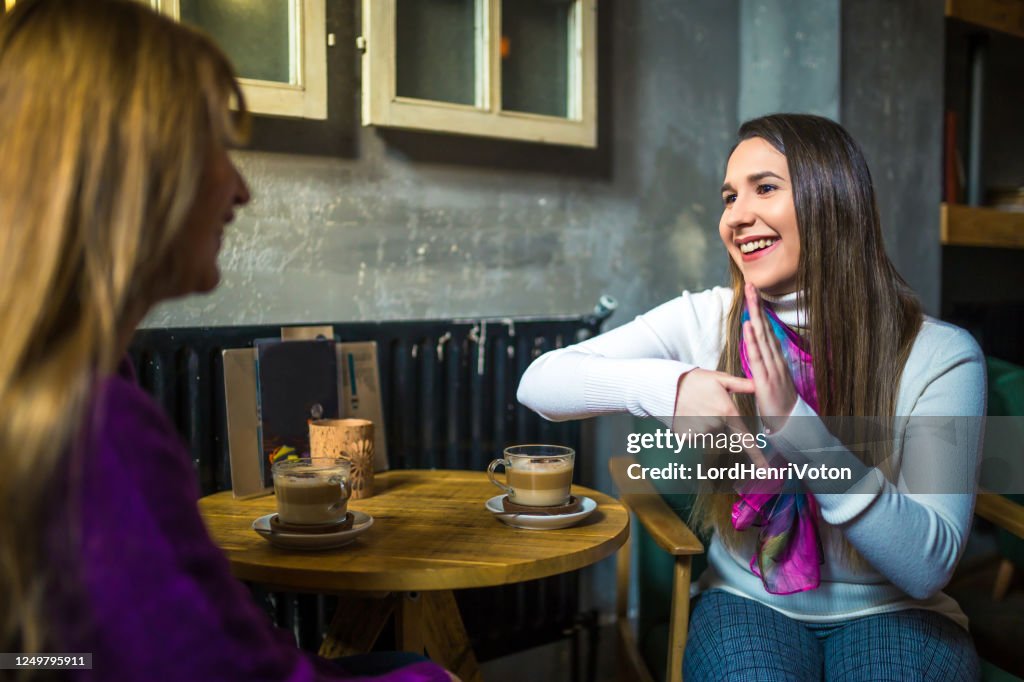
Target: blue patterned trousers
x=737 y=639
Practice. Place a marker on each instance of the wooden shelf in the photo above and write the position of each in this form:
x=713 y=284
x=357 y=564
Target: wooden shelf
x=974 y=226
x=1001 y=15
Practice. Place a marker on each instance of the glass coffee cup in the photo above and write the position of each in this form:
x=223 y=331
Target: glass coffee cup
x=535 y=475
x=312 y=491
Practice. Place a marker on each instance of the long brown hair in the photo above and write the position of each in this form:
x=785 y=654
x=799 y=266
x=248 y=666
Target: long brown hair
x=862 y=316
x=107 y=113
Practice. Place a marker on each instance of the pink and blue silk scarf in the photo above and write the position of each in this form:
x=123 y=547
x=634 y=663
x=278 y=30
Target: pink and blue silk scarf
x=789 y=554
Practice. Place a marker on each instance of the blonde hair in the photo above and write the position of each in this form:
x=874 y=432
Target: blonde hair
x=107 y=113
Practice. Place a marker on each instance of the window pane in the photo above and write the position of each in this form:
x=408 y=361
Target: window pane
x=437 y=56
x=535 y=48
x=255 y=35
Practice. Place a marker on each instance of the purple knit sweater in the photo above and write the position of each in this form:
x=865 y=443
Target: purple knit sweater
x=152 y=597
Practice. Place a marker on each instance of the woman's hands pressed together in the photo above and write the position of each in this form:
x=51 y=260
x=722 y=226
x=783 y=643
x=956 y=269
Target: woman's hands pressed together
x=773 y=384
x=706 y=397
x=704 y=404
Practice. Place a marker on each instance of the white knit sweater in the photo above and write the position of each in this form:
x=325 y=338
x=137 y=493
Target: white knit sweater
x=912 y=541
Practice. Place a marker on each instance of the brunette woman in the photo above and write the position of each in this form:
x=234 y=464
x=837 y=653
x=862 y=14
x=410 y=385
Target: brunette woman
x=814 y=581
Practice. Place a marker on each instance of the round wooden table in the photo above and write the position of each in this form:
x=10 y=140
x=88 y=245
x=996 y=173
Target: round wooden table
x=431 y=535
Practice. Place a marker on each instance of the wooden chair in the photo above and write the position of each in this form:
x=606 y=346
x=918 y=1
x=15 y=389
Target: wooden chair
x=1007 y=515
x=1005 y=398
x=672 y=536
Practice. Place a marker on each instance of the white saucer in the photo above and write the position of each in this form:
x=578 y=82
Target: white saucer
x=313 y=541
x=537 y=522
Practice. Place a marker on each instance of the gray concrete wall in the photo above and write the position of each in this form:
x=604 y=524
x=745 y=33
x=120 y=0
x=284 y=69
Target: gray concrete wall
x=422 y=225
x=876 y=67
x=892 y=103
x=789 y=57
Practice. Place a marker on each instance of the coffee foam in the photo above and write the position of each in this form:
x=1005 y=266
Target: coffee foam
x=544 y=465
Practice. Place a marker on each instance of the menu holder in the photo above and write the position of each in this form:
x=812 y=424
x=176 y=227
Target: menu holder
x=358 y=384
x=243 y=423
x=357 y=391
x=296 y=382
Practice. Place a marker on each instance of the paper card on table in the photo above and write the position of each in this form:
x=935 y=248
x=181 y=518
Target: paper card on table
x=359 y=388
x=297 y=381
x=243 y=423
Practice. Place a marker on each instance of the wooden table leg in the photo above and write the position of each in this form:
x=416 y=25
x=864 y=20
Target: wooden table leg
x=444 y=635
x=356 y=625
x=425 y=622
x=409 y=623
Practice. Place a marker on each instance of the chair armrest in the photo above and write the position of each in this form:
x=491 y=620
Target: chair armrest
x=664 y=525
x=1001 y=511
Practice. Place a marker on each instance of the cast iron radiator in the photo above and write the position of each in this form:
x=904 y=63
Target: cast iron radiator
x=448 y=390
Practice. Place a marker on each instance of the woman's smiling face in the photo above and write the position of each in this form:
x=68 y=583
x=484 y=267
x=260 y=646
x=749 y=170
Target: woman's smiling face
x=758 y=225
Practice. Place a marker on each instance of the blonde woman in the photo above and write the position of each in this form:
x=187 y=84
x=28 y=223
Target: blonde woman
x=115 y=190
x=811 y=581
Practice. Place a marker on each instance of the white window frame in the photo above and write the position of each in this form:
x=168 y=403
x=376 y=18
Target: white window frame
x=381 y=105
x=307 y=97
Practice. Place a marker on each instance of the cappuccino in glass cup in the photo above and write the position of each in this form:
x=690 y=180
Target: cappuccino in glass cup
x=312 y=491
x=535 y=475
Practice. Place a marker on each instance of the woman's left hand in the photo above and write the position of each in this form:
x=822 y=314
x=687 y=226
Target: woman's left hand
x=773 y=385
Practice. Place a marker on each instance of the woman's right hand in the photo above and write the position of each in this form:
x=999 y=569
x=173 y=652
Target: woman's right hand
x=704 y=404
x=704 y=401
x=707 y=395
